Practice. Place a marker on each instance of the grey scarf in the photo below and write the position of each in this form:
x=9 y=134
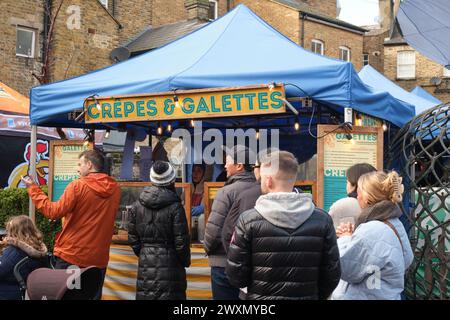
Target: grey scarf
x=380 y=211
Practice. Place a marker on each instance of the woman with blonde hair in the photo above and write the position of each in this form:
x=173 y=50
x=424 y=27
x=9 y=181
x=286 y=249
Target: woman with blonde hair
x=22 y=239
x=376 y=252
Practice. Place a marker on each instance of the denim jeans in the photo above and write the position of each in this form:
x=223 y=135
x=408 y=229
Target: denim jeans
x=221 y=287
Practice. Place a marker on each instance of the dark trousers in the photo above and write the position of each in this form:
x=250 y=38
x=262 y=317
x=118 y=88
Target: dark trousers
x=221 y=287
x=61 y=264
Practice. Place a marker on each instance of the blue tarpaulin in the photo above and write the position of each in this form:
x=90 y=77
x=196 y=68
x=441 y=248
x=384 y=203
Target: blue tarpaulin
x=236 y=50
x=419 y=91
x=380 y=83
x=426 y=27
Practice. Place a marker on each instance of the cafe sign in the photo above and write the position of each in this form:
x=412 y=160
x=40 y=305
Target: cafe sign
x=189 y=104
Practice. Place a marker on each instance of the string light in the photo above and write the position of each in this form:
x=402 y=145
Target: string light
x=159 y=131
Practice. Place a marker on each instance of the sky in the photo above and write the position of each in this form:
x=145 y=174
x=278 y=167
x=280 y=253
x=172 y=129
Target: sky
x=359 y=12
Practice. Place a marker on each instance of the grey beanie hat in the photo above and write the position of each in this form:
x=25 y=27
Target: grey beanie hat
x=162 y=174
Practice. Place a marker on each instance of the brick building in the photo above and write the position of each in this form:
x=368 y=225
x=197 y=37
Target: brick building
x=388 y=52
x=86 y=32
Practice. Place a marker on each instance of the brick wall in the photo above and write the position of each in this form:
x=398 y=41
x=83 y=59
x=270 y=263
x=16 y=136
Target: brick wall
x=425 y=70
x=79 y=49
x=134 y=18
x=333 y=38
x=16 y=71
x=374 y=47
x=282 y=18
x=327 y=7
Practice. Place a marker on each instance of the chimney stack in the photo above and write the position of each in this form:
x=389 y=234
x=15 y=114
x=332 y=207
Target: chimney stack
x=197 y=9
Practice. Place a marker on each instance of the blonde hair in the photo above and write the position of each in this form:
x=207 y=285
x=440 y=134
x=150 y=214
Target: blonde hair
x=378 y=186
x=23 y=229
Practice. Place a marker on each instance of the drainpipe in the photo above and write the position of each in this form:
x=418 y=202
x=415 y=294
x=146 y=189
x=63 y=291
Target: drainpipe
x=47 y=4
x=303 y=18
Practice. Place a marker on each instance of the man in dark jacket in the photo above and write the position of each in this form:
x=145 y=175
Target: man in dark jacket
x=240 y=178
x=284 y=248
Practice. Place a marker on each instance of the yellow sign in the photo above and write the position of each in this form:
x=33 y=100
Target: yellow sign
x=191 y=104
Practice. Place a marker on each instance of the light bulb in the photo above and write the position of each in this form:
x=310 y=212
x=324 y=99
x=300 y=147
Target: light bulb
x=98 y=106
x=107 y=134
x=297 y=126
x=169 y=127
x=385 y=127
x=257 y=135
x=159 y=130
x=192 y=123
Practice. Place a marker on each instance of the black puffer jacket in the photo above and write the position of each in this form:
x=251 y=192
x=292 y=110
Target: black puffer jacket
x=285 y=248
x=159 y=236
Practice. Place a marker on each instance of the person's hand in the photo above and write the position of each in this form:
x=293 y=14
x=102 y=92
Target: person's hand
x=27 y=181
x=344 y=229
x=198 y=210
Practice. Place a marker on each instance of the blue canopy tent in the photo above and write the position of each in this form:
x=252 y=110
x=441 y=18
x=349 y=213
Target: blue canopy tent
x=380 y=83
x=426 y=27
x=236 y=50
x=421 y=92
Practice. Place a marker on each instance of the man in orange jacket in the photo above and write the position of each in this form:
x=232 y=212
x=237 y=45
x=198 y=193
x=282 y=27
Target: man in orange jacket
x=89 y=206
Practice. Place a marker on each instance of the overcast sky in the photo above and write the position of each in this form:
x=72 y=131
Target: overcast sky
x=359 y=12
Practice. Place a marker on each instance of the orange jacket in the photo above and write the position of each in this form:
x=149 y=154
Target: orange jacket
x=89 y=206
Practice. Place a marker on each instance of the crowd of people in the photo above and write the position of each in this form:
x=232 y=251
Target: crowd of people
x=264 y=239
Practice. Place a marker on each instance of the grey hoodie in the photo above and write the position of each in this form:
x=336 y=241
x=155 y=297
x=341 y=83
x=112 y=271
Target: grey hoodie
x=287 y=210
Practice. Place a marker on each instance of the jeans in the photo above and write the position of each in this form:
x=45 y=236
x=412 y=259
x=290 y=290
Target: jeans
x=61 y=264
x=221 y=287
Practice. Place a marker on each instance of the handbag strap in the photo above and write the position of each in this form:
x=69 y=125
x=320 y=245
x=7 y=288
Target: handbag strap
x=395 y=231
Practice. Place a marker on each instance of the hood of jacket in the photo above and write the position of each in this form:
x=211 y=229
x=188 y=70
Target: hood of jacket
x=100 y=183
x=245 y=176
x=29 y=250
x=158 y=197
x=287 y=210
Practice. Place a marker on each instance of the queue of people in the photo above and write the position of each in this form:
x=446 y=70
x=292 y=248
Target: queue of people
x=264 y=239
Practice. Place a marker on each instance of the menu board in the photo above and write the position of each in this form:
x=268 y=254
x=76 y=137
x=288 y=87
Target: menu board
x=336 y=153
x=63 y=167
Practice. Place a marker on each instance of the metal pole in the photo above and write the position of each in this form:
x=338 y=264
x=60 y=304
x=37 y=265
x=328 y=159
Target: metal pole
x=32 y=168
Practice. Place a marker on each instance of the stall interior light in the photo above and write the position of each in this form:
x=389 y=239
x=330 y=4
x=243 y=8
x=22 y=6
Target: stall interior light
x=169 y=128
x=159 y=131
x=107 y=133
x=257 y=134
x=192 y=123
x=297 y=126
x=385 y=127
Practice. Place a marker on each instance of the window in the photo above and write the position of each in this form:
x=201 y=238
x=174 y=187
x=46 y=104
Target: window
x=104 y=3
x=213 y=10
x=317 y=46
x=446 y=72
x=25 y=39
x=406 y=65
x=344 y=53
x=365 y=59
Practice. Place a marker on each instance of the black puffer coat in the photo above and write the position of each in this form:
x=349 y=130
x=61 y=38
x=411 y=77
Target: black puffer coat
x=284 y=249
x=159 y=236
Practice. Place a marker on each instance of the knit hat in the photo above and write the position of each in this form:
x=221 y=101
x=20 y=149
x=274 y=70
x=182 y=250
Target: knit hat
x=162 y=174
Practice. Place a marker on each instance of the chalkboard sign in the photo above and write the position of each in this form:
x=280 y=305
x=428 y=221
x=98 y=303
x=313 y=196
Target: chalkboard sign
x=63 y=167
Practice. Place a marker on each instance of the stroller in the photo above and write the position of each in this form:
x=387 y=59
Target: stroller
x=48 y=283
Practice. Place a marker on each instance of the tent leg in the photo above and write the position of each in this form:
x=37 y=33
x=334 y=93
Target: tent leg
x=32 y=171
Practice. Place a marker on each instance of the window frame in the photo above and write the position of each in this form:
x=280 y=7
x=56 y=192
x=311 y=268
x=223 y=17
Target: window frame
x=33 y=41
x=322 y=46
x=407 y=77
x=445 y=72
x=216 y=9
x=349 y=53
x=366 y=60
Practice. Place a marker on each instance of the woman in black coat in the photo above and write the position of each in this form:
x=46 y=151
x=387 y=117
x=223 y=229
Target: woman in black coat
x=158 y=233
